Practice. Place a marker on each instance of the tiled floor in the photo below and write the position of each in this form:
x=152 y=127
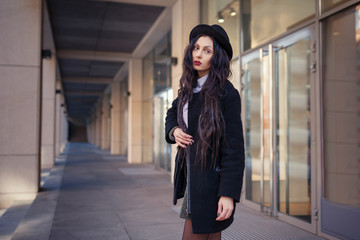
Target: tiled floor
x=95 y=196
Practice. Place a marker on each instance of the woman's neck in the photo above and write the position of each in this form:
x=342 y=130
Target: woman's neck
x=203 y=73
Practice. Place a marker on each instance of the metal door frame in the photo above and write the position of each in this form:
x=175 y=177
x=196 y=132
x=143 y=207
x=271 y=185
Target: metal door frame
x=272 y=210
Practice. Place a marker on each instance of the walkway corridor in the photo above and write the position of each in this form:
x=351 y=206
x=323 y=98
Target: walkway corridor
x=92 y=195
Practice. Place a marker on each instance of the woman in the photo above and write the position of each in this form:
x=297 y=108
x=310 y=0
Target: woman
x=205 y=123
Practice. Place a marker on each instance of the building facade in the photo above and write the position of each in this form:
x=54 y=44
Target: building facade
x=296 y=65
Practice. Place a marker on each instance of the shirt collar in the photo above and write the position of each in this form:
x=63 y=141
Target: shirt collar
x=200 y=83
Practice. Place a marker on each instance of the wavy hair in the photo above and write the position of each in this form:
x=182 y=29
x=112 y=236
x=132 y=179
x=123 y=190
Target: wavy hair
x=211 y=125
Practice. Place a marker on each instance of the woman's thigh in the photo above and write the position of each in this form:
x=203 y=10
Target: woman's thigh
x=189 y=235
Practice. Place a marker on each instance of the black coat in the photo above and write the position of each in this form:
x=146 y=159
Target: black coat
x=207 y=186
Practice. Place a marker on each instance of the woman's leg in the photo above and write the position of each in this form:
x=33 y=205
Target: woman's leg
x=189 y=235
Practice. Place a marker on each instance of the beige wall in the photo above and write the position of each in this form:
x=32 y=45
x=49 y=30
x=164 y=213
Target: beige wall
x=105 y=144
x=185 y=16
x=48 y=113
x=115 y=118
x=20 y=92
x=98 y=124
x=135 y=111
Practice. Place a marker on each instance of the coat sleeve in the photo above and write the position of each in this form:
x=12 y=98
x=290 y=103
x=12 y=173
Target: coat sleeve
x=232 y=157
x=171 y=120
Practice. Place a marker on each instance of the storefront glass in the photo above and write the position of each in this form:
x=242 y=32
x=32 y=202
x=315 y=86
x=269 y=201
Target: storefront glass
x=156 y=82
x=294 y=133
x=341 y=79
x=263 y=20
x=252 y=79
x=341 y=114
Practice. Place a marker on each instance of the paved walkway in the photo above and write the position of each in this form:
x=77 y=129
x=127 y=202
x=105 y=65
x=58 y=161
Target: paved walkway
x=92 y=195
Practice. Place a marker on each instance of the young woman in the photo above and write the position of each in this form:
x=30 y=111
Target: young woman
x=205 y=123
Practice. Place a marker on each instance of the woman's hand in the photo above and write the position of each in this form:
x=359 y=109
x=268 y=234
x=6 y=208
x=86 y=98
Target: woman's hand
x=225 y=208
x=181 y=138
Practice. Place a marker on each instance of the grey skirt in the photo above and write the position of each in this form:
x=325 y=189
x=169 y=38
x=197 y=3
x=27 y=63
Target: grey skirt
x=183 y=212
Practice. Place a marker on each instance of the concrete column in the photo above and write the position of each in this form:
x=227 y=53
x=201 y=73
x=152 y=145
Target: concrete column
x=64 y=125
x=61 y=122
x=48 y=113
x=185 y=16
x=105 y=123
x=93 y=128
x=20 y=92
x=115 y=118
x=135 y=112
x=98 y=124
x=58 y=109
x=124 y=117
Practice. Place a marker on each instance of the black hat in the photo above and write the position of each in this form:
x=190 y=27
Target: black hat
x=215 y=31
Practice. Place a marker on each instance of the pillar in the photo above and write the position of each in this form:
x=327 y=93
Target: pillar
x=57 y=117
x=124 y=116
x=48 y=113
x=64 y=125
x=105 y=145
x=135 y=111
x=20 y=102
x=98 y=124
x=185 y=16
x=115 y=118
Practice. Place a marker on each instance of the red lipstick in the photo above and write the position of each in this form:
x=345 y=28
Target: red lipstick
x=197 y=63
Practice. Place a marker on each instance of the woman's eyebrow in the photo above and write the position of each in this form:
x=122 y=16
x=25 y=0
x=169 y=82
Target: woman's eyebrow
x=196 y=44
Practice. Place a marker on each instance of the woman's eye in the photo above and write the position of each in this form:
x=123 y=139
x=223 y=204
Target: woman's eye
x=196 y=48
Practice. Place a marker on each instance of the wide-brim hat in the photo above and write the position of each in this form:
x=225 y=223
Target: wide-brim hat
x=215 y=31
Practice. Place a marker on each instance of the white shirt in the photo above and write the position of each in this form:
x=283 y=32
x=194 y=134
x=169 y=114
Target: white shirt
x=200 y=83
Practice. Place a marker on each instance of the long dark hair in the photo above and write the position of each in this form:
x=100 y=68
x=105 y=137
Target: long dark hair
x=211 y=124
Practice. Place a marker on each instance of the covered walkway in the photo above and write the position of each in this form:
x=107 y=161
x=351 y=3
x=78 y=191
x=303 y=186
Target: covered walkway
x=90 y=194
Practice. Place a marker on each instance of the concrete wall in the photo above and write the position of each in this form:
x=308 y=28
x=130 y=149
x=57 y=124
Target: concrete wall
x=48 y=113
x=135 y=112
x=185 y=16
x=20 y=92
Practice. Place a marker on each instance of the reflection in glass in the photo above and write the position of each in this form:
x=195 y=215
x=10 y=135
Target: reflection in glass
x=294 y=139
x=252 y=82
x=330 y=4
x=266 y=122
x=162 y=67
x=161 y=150
x=341 y=88
x=263 y=20
x=156 y=81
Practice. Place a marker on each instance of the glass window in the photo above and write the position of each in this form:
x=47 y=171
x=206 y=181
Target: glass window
x=162 y=66
x=156 y=82
x=263 y=20
x=226 y=14
x=252 y=80
x=330 y=4
x=294 y=134
x=341 y=108
x=161 y=149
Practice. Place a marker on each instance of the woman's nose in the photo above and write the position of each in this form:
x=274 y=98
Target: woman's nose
x=198 y=54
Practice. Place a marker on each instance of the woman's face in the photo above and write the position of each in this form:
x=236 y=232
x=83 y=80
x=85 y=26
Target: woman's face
x=202 y=54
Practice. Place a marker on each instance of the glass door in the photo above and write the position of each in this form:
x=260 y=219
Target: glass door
x=258 y=127
x=278 y=86
x=161 y=150
x=295 y=73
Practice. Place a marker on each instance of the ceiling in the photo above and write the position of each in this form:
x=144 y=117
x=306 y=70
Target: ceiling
x=82 y=31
